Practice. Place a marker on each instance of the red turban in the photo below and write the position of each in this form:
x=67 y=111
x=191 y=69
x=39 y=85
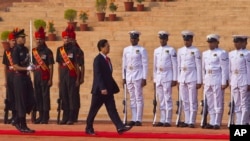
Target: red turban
x=70 y=32
x=11 y=36
x=40 y=33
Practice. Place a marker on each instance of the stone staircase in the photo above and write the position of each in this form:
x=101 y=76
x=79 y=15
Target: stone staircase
x=225 y=17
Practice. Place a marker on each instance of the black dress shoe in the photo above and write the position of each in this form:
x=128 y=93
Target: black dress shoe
x=167 y=124
x=27 y=130
x=63 y=122
x=124 y=129
x=90 y=131
x=183 y=124
x=131 y=123
x=209 y=126
x=44 y=122
x=70 y=123
x=138 y=123
x=38 y=121
x=216 y=127
x=159 y=124
x=191 y=125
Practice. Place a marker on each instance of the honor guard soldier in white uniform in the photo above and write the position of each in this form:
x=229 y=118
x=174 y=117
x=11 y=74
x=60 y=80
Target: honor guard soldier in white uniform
x=165 y=76
x=244 y=47
x=134 y=69
x=189 y=78
x=239 y=74
x=215 y=76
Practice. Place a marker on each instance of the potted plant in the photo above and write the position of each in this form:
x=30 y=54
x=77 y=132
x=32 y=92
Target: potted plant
x=140 y=6
x=112 y=7
x=83 y=16
x=101 y=6
x=4 y=38
x=51 y=30
x=39 y=23
x=129 y=5
x=71 y=15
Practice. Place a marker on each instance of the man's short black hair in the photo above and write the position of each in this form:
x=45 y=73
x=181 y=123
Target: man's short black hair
x=101 y=44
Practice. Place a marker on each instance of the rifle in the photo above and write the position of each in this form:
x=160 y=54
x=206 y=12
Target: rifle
x=33 y=114
x=6 y=111
x=204 y=112
x=155 y=105
x=179 y=109
x=231 y=112
x=124 y=102
x=59 y=102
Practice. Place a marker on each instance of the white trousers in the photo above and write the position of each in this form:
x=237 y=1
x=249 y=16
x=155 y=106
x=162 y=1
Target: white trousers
x=164 y=94
x=188 y=93
x=136 y=99
x=240 y=97
x=214 y=96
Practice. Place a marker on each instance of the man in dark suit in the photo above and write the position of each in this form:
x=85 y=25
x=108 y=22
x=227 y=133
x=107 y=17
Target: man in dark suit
x=103 y=90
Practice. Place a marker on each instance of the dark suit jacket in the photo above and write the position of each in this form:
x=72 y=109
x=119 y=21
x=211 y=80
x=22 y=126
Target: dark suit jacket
x=103 y=78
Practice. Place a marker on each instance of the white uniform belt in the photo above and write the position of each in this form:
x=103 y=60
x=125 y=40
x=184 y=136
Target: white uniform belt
x=213 y=71
x=239 y=71
x=11 y=68
x=188 y=68
x=164 y=69
x=134 y=67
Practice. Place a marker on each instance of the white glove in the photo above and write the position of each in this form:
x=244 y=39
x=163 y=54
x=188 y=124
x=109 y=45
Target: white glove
x=30 y=68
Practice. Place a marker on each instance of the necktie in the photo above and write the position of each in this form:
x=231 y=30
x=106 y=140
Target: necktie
x=107 y=59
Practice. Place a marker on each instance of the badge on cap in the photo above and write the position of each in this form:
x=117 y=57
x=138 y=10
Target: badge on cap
x=240 y=38
x=187 y=35
x=134 y=34
x=163 y=34
x=213 y=38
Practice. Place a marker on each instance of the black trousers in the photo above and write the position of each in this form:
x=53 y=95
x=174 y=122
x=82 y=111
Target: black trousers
x=24 y=94
x=97 y=101
x=42 y=93
x=10 y=91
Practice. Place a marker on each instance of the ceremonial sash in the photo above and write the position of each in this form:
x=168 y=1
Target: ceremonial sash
x=72 y=70
x=8 y=53
x=44 y=68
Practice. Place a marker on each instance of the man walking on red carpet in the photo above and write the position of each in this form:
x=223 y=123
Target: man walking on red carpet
x=103 y=90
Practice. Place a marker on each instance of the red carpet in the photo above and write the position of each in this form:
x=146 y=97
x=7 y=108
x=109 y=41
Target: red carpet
x=115 y=135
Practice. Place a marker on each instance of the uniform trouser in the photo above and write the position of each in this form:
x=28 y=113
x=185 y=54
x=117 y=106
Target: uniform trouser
x=67 y=90
x=164 y=93
x=78 y=103
x=188 y=93
x=24 y=94
x=42 y=95
x=240 y=97
x=214 y=96
x=10 y=91
x=136 y=99
x=97 y=101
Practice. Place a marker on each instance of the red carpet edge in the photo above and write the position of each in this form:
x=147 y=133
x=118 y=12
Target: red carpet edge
x=115 y=135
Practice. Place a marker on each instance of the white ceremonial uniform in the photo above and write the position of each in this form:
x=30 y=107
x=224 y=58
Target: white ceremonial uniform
x=239 y=74
x=189 y=74
x=135 y=62
x=164 y=72
x=215 y=74
x=246 y=51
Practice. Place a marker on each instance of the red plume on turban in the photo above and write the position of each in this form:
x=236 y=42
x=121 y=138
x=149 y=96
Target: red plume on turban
x=11 y=36
x=70 y=32
x=40 y=33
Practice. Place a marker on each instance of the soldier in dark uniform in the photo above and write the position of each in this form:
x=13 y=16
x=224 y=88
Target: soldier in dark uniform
x=23 y=89
x=81 y=73
x=68 y=70
x=9 y=74
x=43 y=74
